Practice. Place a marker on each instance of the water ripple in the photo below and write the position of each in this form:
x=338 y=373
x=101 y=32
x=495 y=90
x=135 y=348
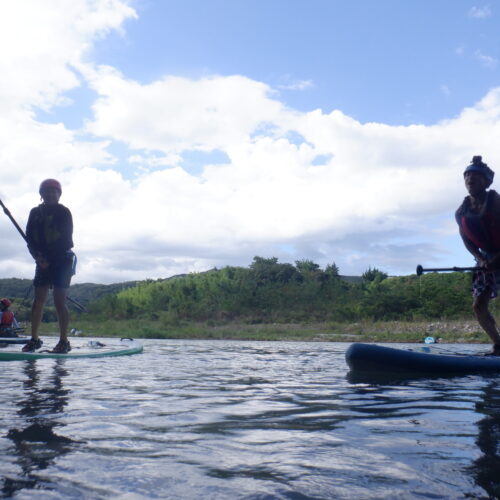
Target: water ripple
x=253 y=420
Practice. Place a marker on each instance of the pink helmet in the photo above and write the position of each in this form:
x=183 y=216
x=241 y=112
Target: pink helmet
x=50 y=183
x=6 y=302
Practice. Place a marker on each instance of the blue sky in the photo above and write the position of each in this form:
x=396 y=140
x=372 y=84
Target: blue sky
x=198 y=133
x=399 y=62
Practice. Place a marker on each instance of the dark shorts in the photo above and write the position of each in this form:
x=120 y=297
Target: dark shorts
x=58 y=274
x=483 y=281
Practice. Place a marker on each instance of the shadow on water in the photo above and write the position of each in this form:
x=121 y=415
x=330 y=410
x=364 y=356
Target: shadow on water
x=486 y=469
x=36 y=444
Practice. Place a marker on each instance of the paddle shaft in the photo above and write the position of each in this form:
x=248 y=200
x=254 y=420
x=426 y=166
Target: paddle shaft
x=22 y=233
x=421 y=270
x=16 y=225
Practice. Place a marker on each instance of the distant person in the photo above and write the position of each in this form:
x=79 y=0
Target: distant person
x=8 y=322
x=49 y=233
x=479 y=221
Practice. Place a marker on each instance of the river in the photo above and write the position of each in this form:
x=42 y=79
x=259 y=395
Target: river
x=242 y=420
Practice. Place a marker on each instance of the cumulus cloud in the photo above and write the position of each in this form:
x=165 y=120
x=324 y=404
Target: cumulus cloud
x=480 y=12
x=175 y=114
x=297 y=85
x=486 y=60
x=445 y=90
x=41 y=40
x=283 y=183
x=272 y=195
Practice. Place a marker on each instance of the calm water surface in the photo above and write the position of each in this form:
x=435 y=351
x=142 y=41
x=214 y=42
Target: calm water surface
x=254 y=420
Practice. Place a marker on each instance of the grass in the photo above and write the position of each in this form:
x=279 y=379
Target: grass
x=465 y=331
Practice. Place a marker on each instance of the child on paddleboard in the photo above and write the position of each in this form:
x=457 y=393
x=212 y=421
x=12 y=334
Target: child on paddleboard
x=49 y=234
x=8 y=322
x=478 y=220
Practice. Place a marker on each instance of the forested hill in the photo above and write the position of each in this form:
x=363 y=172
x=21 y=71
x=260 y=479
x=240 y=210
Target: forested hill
x=21 y=290
x=269 y=291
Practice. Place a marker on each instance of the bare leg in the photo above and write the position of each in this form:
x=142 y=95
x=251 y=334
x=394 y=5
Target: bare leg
x=62 y=312
x=41 y=293
x=484 y=317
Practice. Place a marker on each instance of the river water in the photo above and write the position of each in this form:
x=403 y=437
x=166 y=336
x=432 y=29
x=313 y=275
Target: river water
x=253 y=420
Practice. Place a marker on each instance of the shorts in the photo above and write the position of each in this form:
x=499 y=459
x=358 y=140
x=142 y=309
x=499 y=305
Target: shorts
x=486 y=281
x=57 y=274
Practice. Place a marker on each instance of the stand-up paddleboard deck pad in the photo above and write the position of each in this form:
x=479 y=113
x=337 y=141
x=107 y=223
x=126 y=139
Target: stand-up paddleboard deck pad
x=91 y=349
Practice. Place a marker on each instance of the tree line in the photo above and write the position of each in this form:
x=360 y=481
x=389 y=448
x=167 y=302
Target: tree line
x=268 y=291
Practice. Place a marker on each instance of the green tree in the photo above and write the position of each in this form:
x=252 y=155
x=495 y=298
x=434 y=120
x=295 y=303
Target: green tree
x=373 y=275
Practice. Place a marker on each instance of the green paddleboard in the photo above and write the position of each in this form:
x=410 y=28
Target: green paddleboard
x=90 y=349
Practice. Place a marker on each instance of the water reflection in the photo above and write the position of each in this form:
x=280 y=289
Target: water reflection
x=420 y=400
x=486 y=469
x=36 y=443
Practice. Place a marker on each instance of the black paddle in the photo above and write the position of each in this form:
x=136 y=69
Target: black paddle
x=421 y=270
x=21 y=232
x=9 y=215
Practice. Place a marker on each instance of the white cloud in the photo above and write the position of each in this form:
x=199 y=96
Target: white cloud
x=297 y=85
x=292 y=184
x=445 y=90
x=152 y=161
x=480 y=12
x=486 y=60
x=377 y=180
x=175 y=114
x=41 y=39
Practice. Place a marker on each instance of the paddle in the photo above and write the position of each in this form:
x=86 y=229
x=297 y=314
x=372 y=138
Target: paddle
x=21 y=232
x=421 y=270
x=9 y=215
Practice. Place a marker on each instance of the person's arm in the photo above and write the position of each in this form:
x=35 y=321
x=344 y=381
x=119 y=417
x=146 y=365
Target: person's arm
x=30 y=234
x=33 y=247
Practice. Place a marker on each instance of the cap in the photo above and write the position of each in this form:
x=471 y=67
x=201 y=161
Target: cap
x=478 y=166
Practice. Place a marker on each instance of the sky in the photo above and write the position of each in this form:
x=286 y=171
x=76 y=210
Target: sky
x=193 y=134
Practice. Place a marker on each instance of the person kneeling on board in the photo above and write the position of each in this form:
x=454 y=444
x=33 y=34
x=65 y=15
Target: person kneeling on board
x=8 y=322
x=478 y=219
x=49 y=234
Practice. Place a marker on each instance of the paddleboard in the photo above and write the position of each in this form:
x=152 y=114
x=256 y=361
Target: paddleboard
x=380 y=359
x=89 y=349
x=14 y=340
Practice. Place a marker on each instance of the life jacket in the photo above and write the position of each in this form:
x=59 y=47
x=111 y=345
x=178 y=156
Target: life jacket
x=483 y=228
x=6 y=318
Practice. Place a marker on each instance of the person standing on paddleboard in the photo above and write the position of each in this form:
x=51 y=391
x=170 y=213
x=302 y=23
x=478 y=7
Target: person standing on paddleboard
x=49 y=234
x=478 y=220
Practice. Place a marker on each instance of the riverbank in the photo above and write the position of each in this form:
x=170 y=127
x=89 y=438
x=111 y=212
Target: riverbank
x=460 y=331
